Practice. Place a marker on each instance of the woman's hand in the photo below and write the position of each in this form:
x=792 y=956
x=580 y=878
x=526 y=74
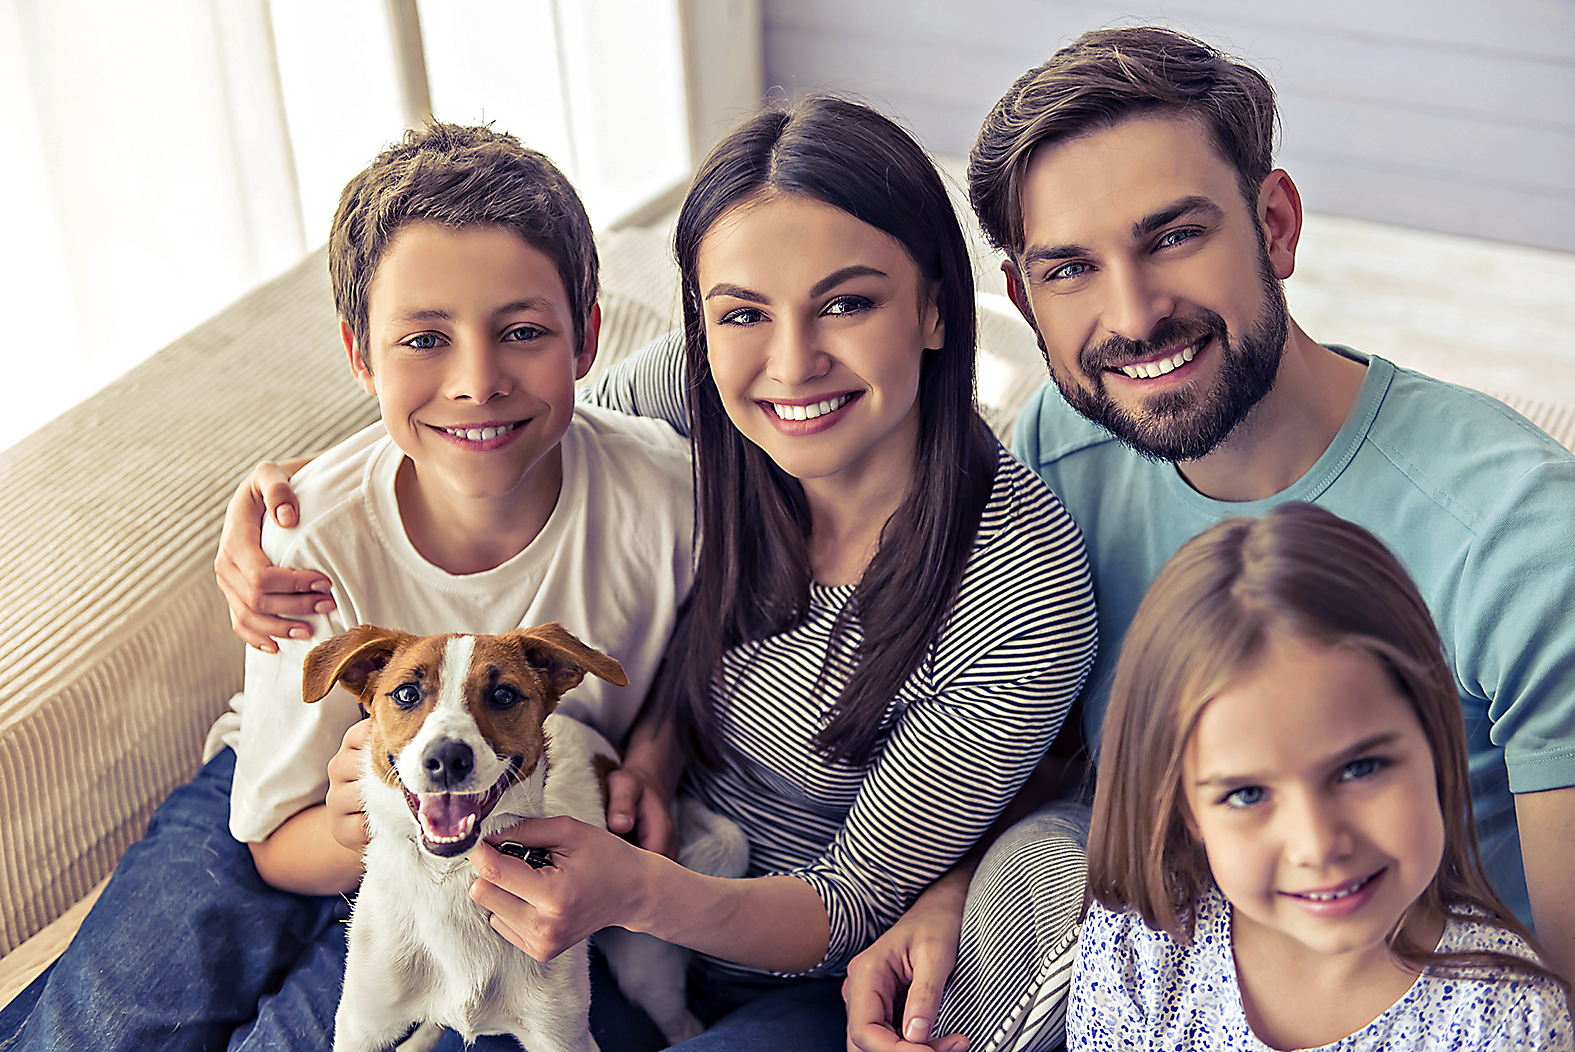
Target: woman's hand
x=595 y=879
x=264 y=599
x=346 y=819
x=918 y=953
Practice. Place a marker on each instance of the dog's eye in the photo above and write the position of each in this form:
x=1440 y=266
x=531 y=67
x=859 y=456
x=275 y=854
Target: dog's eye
x=504 y=697
x=406 y=695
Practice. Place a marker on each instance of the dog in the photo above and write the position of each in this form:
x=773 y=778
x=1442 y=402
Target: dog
x=463 y=744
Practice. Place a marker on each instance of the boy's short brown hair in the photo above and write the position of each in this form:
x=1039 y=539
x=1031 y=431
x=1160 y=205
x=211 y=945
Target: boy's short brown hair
x=459 y=176
x=1107 y=76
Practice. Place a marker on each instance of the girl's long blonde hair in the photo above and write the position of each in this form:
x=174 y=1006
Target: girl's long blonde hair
x=1205 y=620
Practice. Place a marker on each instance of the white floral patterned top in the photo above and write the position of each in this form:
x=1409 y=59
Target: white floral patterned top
x=1135 y=988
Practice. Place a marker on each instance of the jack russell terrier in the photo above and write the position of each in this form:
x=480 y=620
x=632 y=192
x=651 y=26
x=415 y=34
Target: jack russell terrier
x=463 y=744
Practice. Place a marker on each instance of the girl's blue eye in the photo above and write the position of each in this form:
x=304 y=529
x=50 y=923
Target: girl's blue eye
x=1246 y=796
x=422 y=341
x=1366 y=767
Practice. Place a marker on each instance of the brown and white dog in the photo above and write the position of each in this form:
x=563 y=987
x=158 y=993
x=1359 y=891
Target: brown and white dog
x=463 y=744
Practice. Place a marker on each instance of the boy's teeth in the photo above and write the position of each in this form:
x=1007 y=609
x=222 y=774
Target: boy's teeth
x=1149 y=370
x=479 y=434
x=809 y=412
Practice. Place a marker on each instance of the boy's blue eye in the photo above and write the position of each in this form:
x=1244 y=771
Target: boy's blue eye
x=1366 y=767
x=423 y=341
x=1246 y=796
x=523 y=334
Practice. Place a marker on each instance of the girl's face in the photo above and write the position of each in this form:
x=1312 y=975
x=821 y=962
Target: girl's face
x=816 y=324
x=1312 y=788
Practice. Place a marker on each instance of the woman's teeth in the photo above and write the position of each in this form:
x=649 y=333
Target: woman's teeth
x=478 y=434
x=810 y=412
x=1149 y=370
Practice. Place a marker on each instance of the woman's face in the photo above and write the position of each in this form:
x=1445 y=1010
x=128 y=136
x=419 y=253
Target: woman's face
x=816 y=324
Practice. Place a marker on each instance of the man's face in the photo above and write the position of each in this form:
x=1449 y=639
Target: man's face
x=1149 y=281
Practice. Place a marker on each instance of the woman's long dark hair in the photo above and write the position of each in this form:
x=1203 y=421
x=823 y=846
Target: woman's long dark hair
x=753 y=574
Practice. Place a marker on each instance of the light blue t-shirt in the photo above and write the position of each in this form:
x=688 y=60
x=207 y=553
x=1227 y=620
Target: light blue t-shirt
x=1476 y=501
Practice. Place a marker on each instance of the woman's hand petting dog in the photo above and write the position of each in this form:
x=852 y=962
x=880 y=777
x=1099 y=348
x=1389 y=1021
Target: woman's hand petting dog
x=346 y=820
x=918 y=952
x=265 y=600
x=595 y=879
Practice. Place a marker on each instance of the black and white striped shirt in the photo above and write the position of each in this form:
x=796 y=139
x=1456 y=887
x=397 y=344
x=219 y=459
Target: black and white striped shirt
x=960 y=737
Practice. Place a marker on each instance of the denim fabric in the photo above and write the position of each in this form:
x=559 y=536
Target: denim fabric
x=183 y=944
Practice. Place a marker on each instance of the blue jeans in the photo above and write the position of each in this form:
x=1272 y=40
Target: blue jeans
x=188 y=949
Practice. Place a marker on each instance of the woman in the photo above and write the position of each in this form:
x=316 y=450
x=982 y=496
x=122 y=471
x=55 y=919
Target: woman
x=890 y=615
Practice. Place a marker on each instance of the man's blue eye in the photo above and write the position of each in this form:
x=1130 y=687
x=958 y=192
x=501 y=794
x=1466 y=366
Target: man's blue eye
x=1067 y=270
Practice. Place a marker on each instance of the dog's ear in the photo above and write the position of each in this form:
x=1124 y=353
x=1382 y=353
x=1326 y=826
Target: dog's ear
x=564 y=659
x=349 y=658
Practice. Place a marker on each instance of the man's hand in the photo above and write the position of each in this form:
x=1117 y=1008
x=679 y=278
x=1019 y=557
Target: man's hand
x=918 y=954
x=265 y=600
x=635 y=804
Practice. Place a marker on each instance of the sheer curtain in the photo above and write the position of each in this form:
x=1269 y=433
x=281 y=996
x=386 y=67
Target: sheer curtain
x=168 y=155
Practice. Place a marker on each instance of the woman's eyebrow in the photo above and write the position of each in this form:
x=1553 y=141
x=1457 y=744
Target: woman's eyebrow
x=738 y=292
x=837 y=277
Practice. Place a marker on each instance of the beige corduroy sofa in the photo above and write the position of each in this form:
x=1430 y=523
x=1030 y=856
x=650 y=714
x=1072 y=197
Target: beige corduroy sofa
x=115 y=647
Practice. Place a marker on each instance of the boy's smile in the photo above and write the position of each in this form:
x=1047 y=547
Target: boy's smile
x=471 y=348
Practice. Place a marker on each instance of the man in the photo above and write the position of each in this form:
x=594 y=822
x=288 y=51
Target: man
x=1129 y=182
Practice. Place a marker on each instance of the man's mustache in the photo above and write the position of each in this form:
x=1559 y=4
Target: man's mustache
x=1117 y=351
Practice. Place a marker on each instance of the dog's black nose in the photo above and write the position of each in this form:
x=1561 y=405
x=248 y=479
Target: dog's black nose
x=448 y=763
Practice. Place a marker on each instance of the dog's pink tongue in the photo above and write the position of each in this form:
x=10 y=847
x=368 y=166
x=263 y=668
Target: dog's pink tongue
x=449 y=816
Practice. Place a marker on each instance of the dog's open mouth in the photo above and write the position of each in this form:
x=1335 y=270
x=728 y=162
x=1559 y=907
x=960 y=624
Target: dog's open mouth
x=451 y=822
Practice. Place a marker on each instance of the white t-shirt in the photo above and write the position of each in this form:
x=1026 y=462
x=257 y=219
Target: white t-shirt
x=611 y=565
x=1136 y=988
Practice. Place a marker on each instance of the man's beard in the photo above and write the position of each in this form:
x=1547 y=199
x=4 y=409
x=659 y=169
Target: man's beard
x=1185 y=424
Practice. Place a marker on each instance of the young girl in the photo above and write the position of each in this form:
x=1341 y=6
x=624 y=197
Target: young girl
x=890 y=615
x=1283 y=854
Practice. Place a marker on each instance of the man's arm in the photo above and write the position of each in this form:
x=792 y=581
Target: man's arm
x=1547 y=847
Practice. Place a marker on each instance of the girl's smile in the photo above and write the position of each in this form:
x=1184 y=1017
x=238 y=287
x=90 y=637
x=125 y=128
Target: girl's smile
x=1311 y=785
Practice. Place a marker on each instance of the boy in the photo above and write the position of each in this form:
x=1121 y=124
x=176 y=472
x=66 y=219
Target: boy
x=465 y=274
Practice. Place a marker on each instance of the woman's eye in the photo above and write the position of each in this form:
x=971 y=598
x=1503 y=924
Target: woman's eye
x=523 y=334
x=423 y=341
x=848 y=305
x=1246 y=796
x=742 y=316
x=406 y=695
x=1366 y=767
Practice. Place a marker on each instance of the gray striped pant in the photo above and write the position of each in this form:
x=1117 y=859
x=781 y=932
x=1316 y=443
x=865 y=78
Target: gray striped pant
x=1019 y=935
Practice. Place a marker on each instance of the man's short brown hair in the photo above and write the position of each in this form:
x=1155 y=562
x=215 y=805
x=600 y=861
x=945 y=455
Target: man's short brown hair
x=1107 y=76
x=459 y=176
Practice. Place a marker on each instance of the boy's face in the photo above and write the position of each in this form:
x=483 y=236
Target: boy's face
x=473 y=359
